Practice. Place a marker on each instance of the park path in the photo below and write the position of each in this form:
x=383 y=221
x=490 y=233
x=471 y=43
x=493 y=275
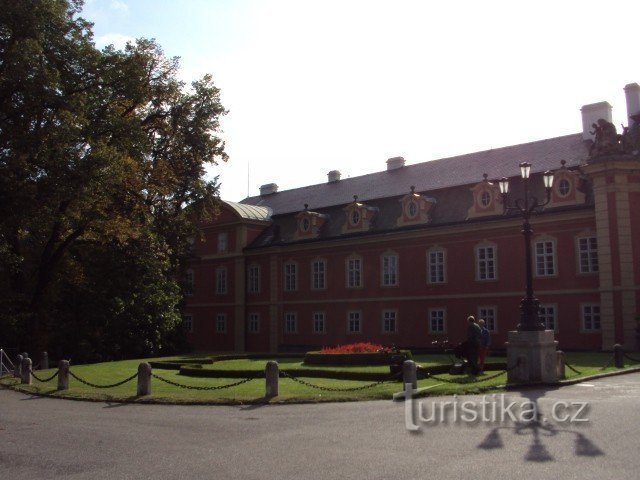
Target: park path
x=42 y=438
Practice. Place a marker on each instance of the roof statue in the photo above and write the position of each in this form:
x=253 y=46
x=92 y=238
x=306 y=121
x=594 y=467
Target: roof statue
x=607 y=140
x=631 y=136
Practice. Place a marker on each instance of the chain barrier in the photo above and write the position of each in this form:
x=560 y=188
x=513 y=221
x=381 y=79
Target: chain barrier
x=338 y=389
x=103 y=386
x=629 y=357
x=195 y=387
x=467 y=382
x=570 y=367
x=608 y=364
x=45 y=380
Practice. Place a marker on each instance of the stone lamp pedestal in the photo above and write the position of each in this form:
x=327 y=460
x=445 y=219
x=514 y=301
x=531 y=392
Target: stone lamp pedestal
x=539 y=351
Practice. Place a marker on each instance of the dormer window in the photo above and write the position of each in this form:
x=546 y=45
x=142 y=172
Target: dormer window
x=309 y=223
x=355 y=217
x=567 y=187
x=358 y=216
x=415 y=209
x=485 y=199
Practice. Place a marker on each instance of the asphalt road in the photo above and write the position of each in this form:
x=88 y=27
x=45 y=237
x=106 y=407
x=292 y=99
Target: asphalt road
x=42 y=438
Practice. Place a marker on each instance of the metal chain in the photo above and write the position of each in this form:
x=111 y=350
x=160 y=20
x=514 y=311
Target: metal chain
x=194 y=387
x=467 y=382
x=629 y=357
x=608 y=364
x=570 y=367
x=44 y=380
x=337 y=389
x=103 y=386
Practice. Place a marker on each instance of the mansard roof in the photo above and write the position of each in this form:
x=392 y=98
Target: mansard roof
x=433 y=175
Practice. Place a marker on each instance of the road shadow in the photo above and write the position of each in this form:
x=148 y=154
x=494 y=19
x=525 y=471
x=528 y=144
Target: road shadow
x=539 y=427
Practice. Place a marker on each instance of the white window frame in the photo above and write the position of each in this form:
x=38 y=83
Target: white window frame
x=542 y=316
x=223 y=242
x=221 y=323
x=548 y=261
x=319 y=318
x=486 y=268
x=253 y=323
x=390 y=270
x=253 y=279
x=434 y=315
x=587 y=313
x=187 y=322
x=319 y=274
x=353 y=273
x=590 y=254
x=221 y=281
x=354 y=316
x=490 y=319
x=390 y=319
x=436 y=267
x=290 y=278
x=290 y=323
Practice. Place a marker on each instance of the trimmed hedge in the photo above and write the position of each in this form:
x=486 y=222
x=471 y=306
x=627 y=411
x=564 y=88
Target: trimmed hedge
x=340 y=359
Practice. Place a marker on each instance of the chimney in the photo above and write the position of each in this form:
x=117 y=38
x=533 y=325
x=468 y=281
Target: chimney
x=591 y=114
x=395 y=163
x=632 y=92
x=268 y=189
x=334 y=176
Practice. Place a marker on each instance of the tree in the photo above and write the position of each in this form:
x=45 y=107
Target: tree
x=100 y=151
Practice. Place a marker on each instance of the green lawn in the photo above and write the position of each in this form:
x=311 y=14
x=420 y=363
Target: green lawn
x=253 y=391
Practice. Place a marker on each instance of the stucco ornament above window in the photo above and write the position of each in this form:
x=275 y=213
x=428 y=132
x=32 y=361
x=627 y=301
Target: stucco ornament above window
x=358 y=216
x=486 y=199
x=309 y=223
x=416 y=209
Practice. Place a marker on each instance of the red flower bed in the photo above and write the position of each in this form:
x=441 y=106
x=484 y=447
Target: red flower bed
x=362 y=347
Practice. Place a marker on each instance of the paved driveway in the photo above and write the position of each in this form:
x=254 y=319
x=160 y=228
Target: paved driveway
x=44 y=438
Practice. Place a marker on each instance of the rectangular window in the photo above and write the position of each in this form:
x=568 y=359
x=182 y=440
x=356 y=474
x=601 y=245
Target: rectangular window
x=588 y=252
x=221 y=323
x=489 y=316
x=187 y=323
x=253 y=324
x=318 y=270
x=290 y=323
x=354 y=273
x=436 y=266
x=221 y=281
x=591 y=317
x=189 y=283
x=389 y=321
x=547 y=316
x=253 y=279
x=290 y=277
x=319 y=325
x=486 y=263
x=545 y=258
x=389 y=270
x=355 y=324
x=222 y=242
x=437 y=320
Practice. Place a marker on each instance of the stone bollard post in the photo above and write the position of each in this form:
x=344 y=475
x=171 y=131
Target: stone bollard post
x=618 y=355
x=144 y=379
x=409 y=373
x=26 y=371
x=44 y=361
x=560 y=365
x=272 y=376
x=523 y=369
x=18 y=367
x=63 y=375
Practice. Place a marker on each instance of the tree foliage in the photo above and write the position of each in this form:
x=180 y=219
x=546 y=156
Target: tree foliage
x=102 y=162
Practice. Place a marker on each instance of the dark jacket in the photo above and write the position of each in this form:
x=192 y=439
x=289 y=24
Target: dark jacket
x=474 y=334
x=485 y=340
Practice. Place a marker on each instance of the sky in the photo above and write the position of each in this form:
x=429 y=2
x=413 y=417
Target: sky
x=313 y=86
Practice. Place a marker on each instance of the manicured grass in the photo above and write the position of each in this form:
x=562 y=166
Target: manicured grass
x=253 y=391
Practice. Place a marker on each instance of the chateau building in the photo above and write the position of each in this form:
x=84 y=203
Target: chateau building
x=404 y=255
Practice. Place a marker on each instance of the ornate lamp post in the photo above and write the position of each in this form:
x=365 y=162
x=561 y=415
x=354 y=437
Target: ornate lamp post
x=529 y=305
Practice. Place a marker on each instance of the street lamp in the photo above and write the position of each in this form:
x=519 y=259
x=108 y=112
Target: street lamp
x=529 y=305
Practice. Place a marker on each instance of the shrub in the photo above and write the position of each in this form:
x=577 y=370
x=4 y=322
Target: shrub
x=361 y=347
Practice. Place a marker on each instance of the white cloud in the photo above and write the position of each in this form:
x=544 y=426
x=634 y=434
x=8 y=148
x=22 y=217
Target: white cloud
x=118 y=40
x=119 y=5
